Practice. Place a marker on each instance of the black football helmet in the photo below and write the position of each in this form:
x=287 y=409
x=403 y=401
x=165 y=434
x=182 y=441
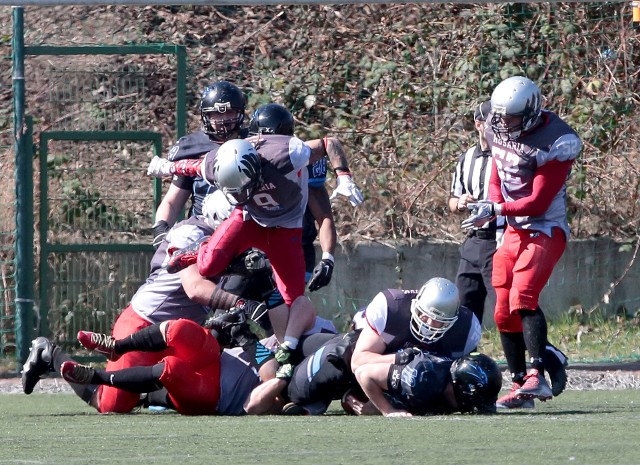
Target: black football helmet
x=477 y=380
x=222 y=97
x=271 y=119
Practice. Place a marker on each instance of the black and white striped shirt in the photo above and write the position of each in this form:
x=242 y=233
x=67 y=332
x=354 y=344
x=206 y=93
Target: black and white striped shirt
x=471 y=176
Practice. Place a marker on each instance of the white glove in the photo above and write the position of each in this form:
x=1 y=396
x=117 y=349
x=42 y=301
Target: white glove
x=348 y=188
x=482 y=212
x=159 y=167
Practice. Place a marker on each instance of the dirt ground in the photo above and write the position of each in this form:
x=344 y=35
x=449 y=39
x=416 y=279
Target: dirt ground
x=580 y=378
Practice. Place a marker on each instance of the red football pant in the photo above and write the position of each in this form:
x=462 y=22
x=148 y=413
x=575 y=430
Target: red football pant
x=114 y=400
x=283 y=247
x=192 y=368
x=522 y=266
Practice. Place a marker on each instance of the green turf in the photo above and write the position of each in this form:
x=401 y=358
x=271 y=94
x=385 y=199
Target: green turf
x=595 y=427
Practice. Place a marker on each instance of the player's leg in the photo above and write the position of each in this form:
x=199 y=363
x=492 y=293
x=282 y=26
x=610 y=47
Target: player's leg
x=45 y=357
x=509 y=324
x=228 y=241
x=309 y=234
x=111 y=399
x=191 y=374
x=321 y=377
x=533 y=268
x=469 y=279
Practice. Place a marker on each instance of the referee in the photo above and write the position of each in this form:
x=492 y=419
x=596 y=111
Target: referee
x=471 y=183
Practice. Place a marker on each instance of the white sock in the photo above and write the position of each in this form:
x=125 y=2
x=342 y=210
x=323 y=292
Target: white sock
x=291 y=342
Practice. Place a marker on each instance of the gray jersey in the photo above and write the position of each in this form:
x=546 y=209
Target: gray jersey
x=518 y=161
x=237 y=379
x=162 y=297
x=282 y=199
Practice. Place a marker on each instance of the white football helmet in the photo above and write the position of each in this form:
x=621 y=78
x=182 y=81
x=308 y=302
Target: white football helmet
x=236 y=171
x=515 y=96
x=434 y=310
x=216 y=208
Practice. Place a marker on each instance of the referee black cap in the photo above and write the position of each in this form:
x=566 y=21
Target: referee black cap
x=482 y=111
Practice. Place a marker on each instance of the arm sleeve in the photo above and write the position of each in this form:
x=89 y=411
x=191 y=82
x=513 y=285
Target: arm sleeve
x=495 y=193
x=547 y=182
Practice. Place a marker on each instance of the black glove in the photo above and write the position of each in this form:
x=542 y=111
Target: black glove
x=404 y=356
x=160 y=230
x=242 y=336
x=321 y=274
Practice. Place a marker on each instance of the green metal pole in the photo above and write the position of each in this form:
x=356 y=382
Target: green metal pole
x=24 y=198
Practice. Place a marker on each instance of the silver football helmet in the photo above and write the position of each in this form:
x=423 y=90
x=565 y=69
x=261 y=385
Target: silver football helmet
x=434 y=310
x=237 y=171
x=516 y=96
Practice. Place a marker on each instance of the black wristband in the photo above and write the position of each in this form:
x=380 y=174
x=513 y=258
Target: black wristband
x=341 y=168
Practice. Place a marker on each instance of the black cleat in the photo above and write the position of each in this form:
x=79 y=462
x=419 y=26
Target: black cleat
x=38 y=364
x=555 y=364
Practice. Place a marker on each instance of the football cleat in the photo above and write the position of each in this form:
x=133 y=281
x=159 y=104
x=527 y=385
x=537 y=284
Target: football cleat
x=555 y=364
x=101 y=343
x=535 y=387
x=38 y=364
x=512 y=401
x=75 y=373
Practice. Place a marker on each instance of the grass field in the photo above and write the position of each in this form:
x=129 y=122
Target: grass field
x=588 y=427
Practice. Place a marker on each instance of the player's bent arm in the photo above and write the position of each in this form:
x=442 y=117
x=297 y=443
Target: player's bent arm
x=172 y=204
x=265 y=398
x=320 y=207
x=198 y=288
x=370 y=349
x=373 y=381
x=547 y=182
x=332 y=148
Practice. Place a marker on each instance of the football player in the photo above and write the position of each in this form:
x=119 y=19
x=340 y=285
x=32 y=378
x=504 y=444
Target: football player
x=222 y=112
x=427 y=384
x=166 y=296
x=430 y=318
x=533 y=152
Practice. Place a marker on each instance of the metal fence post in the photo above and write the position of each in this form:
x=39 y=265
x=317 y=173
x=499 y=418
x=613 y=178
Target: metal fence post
x=24 y=199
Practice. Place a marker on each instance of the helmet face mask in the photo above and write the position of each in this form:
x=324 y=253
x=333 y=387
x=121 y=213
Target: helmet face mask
x=516 y=105
x=476 y=380
x=222 y=124
x=222 y=109
x=434 y=310
x=237 y=171
x=272 y=119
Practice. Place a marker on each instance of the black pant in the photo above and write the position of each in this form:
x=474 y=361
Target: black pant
x=474 y=273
